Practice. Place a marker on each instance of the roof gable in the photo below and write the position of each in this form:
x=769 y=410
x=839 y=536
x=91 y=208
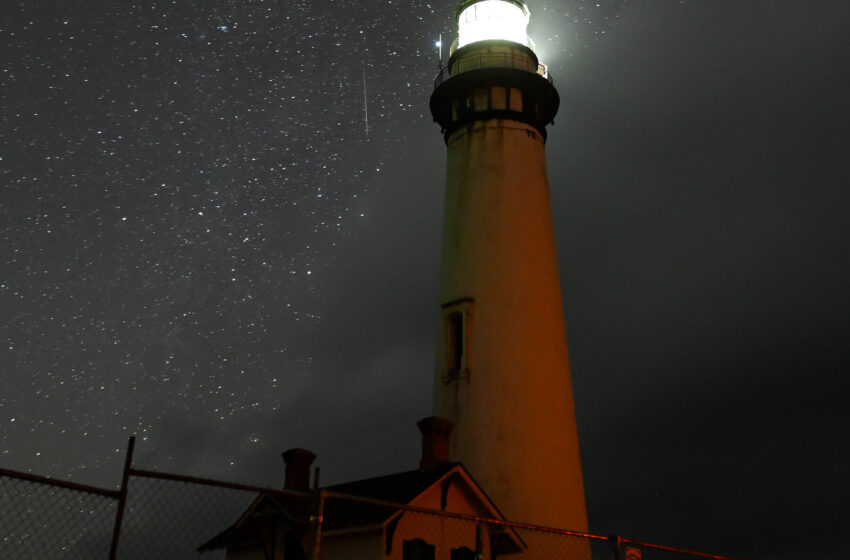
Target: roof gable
x=446 y=487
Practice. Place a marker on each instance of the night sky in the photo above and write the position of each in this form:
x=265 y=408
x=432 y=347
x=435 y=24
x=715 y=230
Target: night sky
x=201 y=245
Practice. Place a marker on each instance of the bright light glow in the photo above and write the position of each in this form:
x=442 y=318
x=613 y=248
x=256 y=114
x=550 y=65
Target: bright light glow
x=493 y=19
x=438 y=44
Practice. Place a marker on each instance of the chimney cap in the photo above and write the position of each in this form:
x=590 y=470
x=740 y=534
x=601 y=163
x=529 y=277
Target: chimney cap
x=296 y=454
x=435 y=424
x=297 y=473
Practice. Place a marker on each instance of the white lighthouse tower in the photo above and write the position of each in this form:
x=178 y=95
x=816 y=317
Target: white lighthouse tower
x=502 y=373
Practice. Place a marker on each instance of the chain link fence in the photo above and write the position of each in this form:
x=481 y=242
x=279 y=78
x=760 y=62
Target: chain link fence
x=42 y=519
x=167 y=516
x=170 y=519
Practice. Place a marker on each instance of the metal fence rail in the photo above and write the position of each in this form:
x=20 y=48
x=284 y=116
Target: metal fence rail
x=458 y=530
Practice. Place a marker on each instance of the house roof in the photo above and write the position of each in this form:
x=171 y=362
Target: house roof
x=341 y=514
x=401 y=488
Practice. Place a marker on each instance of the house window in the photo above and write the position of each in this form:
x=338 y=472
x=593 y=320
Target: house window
x=463 y=553
x=456 y=321
x=417 y=549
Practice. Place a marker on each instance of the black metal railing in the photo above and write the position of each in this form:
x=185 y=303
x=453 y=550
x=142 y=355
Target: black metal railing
x=484 y=61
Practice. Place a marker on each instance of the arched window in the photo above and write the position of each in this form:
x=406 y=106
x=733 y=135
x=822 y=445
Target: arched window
x=457 y=317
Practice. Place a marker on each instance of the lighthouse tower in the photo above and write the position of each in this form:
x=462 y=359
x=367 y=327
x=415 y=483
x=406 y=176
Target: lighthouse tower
x=502 y=373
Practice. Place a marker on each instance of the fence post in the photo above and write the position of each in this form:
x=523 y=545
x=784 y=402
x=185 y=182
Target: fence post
x=122 y=498
x=319 y=518
x=616 y=542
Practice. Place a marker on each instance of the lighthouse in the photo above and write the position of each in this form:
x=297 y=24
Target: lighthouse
x=502 y=369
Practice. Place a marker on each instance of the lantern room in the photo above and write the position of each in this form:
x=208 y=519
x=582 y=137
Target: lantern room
x=486 y=20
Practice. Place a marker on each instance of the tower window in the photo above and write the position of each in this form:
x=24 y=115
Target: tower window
x=454 y=343
x=498 y=97
x=516 y=100
x=480 y=100
x=456 y=321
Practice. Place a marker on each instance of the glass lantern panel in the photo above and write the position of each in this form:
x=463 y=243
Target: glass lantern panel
x=493 y=19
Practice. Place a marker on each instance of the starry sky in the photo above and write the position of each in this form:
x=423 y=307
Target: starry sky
x=219 y=232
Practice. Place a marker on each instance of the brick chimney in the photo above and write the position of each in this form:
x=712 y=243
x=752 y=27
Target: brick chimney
x=435 y=441
x=297 y=463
